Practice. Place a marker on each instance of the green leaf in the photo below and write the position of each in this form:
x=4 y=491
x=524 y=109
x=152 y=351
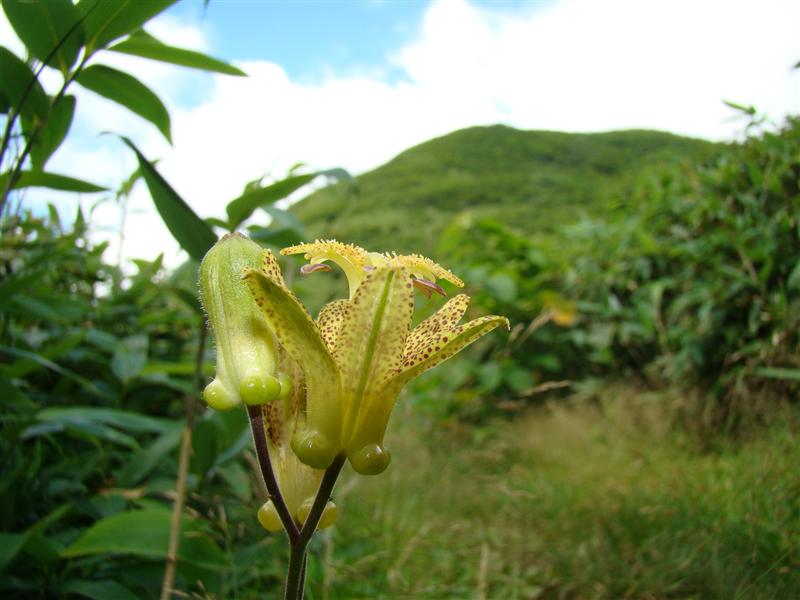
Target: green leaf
x=215 y=222
x=284 y=219
x=146 y=533
x=130 y=357
x=748 y=110
x=107 y=21
x=41 y=361
x=98 y=590
x=53 y=181
x=10 y=545
x=20 y=90
x=126 y=90
x=279 y=237
x=793 y=280
x=786 y=373
x=141 y=463
x=144 y=45
x=242 y=207
x=122 y=419
x=50 y=29
x=192 y=233
x=85 y=429
x=50 y=137
x=13 y=398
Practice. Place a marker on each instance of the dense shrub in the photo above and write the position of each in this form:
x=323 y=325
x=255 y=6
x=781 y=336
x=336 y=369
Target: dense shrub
x=690 y=278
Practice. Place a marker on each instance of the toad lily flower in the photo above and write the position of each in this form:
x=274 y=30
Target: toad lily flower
x=254 y=369
x=360 y=352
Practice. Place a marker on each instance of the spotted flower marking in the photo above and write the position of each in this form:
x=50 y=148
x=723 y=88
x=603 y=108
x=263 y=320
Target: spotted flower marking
x=360 y=351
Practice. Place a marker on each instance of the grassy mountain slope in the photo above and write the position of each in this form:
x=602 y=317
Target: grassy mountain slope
x=530 y=180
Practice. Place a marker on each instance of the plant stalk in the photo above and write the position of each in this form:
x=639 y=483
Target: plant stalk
x=295 y=577
x=262 y=453
x=183 y=470
x=177 y=509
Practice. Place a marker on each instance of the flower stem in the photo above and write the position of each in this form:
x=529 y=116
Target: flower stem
x=262 y=453
x=295 y=577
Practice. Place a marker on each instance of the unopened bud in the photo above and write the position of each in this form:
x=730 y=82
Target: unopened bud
x=245 y=346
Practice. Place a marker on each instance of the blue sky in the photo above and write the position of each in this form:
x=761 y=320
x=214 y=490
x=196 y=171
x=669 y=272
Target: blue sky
x=310 y=38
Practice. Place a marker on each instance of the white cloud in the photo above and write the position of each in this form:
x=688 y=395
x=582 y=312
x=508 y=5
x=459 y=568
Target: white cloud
x=576 y=65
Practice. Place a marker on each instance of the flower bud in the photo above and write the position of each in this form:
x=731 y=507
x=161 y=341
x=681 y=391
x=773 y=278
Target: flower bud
x=245 y=346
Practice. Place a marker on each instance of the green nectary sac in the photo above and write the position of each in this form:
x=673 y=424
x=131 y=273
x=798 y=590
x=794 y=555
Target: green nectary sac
x=246 y=349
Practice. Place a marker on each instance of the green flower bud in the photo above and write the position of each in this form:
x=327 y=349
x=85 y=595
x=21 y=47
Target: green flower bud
x=245 y=346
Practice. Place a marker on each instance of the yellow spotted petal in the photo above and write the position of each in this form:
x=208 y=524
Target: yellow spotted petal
x=445 y=319
x=330 y=321
x=370 y=347
x=438 y=346
x=352 y=259
x=318 y=443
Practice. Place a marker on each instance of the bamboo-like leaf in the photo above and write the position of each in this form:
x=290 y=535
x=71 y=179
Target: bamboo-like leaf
x=145 y=45
x=19 y=88
x=785 y=373
x=98 y=590
x=191 y=232
x=121 y=419
x=50 y=137
x=53 y=181
x=126 y=90
x=242 y=207
x=50 y=29
x=146 y=533
x=108 y=20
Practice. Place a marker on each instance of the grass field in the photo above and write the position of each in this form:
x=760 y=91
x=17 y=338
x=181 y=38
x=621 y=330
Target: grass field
x=589 y=499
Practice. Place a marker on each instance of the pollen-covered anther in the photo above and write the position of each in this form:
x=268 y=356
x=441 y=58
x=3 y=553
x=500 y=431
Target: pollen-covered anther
x=313 y=268
x=428 y=287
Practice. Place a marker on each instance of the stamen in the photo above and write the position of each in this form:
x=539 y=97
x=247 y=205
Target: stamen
x=311 y=268
x=427 y=287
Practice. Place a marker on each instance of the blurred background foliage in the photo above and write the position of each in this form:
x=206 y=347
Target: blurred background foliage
x=634 y=436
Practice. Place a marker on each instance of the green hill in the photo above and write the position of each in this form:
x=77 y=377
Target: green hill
x=530 y=180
